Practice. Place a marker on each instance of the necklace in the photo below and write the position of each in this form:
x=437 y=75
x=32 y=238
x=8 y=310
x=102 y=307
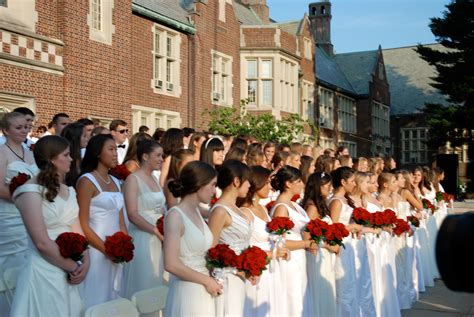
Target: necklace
x=16 y=154
x=100 y=176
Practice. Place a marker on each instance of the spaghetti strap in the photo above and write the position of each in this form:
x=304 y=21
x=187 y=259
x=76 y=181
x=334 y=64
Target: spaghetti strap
x=272 y=211
x=117 y=183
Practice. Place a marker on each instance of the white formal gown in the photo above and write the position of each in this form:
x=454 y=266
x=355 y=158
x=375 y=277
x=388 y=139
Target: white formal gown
x=345 y=272
x=103 y=280
x=237 y=236
x=146 y=269
x=321 y=280
x=42 y=288
x=263 y=299
x=294 y=270
x=13 y=236
x=188 y=298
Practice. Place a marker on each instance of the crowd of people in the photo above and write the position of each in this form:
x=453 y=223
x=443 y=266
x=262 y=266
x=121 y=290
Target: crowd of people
x=210 y=190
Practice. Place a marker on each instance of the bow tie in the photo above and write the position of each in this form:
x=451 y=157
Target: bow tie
x=121 y=146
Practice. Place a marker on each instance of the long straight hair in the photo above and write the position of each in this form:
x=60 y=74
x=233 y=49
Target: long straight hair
x=312 y=192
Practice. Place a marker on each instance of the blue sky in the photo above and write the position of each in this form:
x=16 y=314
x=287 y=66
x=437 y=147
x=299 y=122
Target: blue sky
x=361 y=25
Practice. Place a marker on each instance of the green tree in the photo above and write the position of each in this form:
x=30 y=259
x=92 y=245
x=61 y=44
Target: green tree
x=455 y=79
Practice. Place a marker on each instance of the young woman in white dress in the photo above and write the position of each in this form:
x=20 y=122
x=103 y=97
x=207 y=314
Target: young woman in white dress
x=320 y=267
x=289 y=183
x=178 y=160
x=263 y=299
x=14 y=158
x=347 y=304
x=100 y=212
x=145 y=204
x=48 y=283
x=191 y=289
x=233 y=226
x=364 y=267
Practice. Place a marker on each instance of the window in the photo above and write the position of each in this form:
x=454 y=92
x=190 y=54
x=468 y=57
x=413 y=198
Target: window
x=352 y=146
x=288 y=86
x=414 y=145
x=3 y=3
x=380 y=120
x=100 y=21
x=166 y=72
x=221 y=79
x=347 y=115
x=326 y=108
x=259 y=79
x=154 y=118
x=308 y=52
x=96 y=11
x=308 y=101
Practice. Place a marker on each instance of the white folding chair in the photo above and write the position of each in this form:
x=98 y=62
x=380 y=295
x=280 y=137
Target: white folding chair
x=121 y=307
x=151 y=300
x=8 y=282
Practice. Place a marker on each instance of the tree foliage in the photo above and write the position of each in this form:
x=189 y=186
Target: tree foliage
x=264 y=127
x=455 y=79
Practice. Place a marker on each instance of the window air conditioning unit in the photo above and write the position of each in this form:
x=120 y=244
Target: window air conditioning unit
x=158 y=83
x=169 y=86
x=322 y=121
x=216 y=96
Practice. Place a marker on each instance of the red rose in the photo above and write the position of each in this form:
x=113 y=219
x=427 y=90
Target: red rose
x=120 y=171
x=221 y=256
x=213 y=201
x=253 y=261
x=17 y=181
x=270 y=205
x=160 y=225
x=414 y=221
x=401 y=227
x=295 y=198
x=72 y=245
x=119 y=247
x=361 y=216
x=280 y=225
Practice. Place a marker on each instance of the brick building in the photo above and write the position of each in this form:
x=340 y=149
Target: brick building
x=158 y=63
x=352 y=92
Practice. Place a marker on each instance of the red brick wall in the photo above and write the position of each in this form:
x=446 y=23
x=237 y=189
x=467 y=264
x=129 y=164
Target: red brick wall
x=219 y=36
x=142 y=71
x=259 y=37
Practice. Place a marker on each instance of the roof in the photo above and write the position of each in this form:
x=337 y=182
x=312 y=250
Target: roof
x=409 y=78
x=358 y=68
x=246 y=15
x=175 y=10
x=329 y=71
x=292 y=27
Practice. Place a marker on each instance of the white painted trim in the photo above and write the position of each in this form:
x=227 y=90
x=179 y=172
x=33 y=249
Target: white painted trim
x=108 y=29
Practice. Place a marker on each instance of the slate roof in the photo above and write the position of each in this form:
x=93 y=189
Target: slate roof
x=292 y=27
x=358 y=68
x=409 y=79
x=172 y=9
x=329 y=71
x=246 y=15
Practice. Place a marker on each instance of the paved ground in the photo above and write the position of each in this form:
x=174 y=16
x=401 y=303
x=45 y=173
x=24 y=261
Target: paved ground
x=439 y=301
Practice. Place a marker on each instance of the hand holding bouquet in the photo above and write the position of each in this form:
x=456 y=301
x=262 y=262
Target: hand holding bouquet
x=119 y=247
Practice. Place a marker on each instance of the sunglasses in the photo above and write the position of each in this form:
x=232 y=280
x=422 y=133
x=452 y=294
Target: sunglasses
x=123 y=131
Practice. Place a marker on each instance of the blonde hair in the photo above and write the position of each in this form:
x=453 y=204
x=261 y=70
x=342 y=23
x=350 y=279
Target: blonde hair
x=7 y=118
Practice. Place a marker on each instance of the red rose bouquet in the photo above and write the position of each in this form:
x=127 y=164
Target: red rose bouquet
x=213 y=201
x=317 y=229
x=401 y=226
x=119 y=247
x=253 y=261
x=377 y=220
x=160 y=225
x=221 y=256
x=72 y=245
x=335 y=233
x=17 y=181
x=270 y=205
x=440 y=196
x=414 y=221
x=280 y=225
x=389 y=217
x=120 y=171
x=361 y=216
x=428 y=205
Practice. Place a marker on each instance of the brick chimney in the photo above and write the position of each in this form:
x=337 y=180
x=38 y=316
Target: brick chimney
x=320 y=24
x=260 y=7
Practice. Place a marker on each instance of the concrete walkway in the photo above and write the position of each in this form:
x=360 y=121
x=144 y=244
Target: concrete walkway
x=439 y=301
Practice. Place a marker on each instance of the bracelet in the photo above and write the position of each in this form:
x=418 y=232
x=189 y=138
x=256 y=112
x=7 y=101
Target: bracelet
x=78 y=264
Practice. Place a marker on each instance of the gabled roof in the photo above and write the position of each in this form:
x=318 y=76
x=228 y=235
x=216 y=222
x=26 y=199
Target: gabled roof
x=358 y=68
x=246 y=15
x=173 y=9
x=292 y=27
x=409 y=78
x=328 y=71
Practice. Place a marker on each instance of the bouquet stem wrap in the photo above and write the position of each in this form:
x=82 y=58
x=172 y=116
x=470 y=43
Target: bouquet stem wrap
x=276 y=240
x=221 y=275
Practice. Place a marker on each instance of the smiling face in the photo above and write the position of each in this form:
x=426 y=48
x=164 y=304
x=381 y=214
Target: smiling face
x=17 y=129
